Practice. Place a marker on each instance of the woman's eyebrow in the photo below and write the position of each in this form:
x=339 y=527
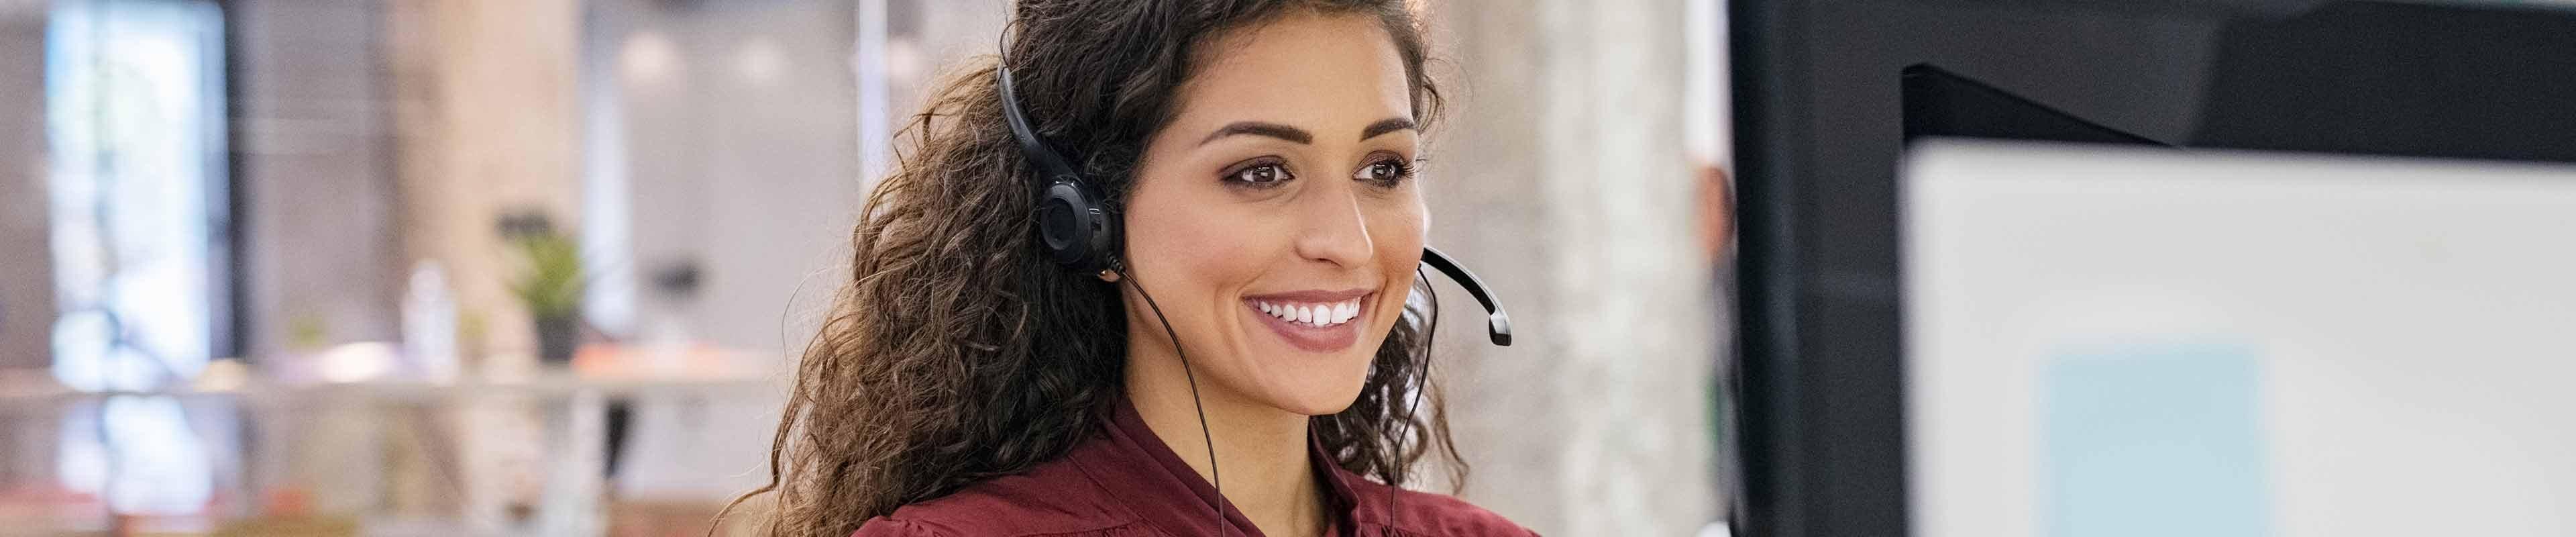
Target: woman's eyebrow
x=1257 y=128
x=1293 y=134
x=1387 y=125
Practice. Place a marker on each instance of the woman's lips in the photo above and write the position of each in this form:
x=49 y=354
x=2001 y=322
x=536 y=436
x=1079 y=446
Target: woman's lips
x=1339 y=319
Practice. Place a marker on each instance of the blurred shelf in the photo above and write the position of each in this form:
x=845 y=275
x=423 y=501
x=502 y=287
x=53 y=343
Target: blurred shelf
x=551 y=384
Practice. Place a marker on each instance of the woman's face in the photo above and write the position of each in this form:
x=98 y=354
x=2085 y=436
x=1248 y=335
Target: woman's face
x=1276 y=219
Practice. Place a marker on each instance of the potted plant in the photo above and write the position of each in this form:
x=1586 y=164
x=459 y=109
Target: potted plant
x=549 y=284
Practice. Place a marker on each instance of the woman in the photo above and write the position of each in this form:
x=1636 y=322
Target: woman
x=1253 y=161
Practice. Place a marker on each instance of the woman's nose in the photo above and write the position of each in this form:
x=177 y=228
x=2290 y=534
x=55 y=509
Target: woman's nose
x=1336 y=229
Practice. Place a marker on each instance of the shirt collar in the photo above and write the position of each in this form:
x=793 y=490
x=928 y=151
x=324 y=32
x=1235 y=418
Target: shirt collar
x=1142 y=472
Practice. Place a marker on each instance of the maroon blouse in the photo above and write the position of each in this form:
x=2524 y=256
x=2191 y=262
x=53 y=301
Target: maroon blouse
x=1125 y=482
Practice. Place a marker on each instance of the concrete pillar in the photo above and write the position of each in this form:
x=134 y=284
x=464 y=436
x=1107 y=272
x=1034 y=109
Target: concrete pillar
x=487 y=121
x=27 y=275
x=1562 y=175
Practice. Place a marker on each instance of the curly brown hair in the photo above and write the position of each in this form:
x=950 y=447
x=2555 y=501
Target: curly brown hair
x=958 y=352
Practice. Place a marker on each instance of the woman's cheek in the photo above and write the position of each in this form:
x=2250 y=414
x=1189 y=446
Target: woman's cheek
x=1198 y=231
x=1401 y=227
x=1232 y=255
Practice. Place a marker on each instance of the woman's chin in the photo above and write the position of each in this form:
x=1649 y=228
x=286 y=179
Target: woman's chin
x=1320 y=393
x=1303 y=381
x=1322 y=406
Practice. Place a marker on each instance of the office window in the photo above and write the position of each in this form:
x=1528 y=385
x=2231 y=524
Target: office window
x=134 y=121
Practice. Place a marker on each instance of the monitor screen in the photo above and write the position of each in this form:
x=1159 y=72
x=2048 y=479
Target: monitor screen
x=2108 y=341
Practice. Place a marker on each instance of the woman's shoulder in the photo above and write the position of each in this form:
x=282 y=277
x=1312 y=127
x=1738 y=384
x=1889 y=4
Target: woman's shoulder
x=1426 y=513
x=1050 y=499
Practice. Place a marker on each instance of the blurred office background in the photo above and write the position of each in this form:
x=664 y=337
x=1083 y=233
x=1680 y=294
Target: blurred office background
x=506 y=267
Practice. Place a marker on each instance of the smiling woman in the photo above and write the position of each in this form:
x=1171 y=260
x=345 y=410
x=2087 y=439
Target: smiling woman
x=1232 y=183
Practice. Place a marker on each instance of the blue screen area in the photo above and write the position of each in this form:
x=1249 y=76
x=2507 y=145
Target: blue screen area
x=2153 y=440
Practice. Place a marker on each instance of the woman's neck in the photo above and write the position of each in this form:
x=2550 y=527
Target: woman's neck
x=1260 y=449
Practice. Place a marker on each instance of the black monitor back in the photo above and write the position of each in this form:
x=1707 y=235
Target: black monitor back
x=1820 y=120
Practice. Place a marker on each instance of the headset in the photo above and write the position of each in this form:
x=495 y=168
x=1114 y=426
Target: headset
x=1078 y=232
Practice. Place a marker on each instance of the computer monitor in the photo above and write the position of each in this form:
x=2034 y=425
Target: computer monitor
x=1940 y=103
x=2111 y=341
x=1820 y=122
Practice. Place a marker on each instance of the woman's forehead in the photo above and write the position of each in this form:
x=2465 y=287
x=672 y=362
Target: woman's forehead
x=1326 y=73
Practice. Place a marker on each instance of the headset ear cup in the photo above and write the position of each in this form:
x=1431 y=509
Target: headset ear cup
x=1104 y=249
x=1061 y=225
x=1078 y=232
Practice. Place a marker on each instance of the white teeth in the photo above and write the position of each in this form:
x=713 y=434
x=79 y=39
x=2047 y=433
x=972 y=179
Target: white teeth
x=1315 y=315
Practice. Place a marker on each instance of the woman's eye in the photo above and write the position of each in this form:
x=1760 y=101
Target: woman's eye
x=1262 y=174
x=1385 y=172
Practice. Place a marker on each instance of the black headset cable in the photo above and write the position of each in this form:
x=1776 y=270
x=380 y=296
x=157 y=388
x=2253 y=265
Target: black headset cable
x=1215 y=482
x=1430 y=333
